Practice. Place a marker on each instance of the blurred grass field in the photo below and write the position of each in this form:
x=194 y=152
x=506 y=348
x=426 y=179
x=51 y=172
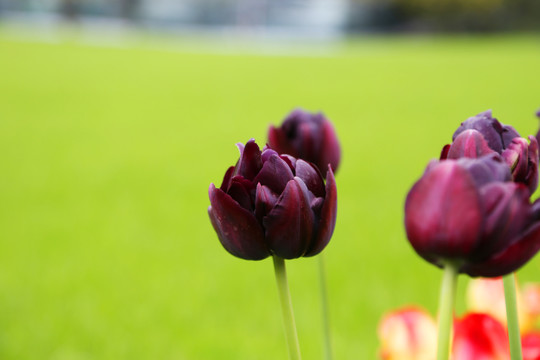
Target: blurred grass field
x=106 y=249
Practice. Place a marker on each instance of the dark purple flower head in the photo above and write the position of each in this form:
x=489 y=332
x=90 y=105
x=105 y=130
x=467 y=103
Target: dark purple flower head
x=538 y=132
x=482 y=135
x=271 y=204
x=467 y=211
x=307 y=136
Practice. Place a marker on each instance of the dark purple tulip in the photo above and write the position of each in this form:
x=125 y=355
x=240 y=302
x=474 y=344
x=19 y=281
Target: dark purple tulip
x=469 y=212
x=482 y=134
x=307 y=136
x=538 y=133
x=271 y=204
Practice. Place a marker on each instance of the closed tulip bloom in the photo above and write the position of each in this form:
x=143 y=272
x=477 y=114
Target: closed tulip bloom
x=482 y=135
x=467 y=212
x=307 y=136
x=408 y=334
x=479 y=337
x=271 y=204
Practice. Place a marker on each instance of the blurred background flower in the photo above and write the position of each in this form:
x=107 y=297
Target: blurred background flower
x=480 y=333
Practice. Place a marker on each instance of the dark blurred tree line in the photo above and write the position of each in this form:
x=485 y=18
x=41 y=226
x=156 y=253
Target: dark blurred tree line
x=445 y=15
x=127 y=9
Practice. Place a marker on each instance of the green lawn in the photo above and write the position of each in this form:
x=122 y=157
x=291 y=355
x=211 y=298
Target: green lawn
x=106 y=249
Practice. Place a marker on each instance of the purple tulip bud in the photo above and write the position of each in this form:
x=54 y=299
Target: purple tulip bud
x=482 y=135
x=307 y=136
x=466 y=211
x=271 y=204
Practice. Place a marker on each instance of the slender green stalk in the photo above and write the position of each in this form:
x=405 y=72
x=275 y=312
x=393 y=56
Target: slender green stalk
x=512 y=317
x=325 y=309
x=446 y=310
x=286 y=308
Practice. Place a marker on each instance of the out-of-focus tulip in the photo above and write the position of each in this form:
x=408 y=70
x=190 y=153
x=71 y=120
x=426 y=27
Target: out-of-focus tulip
x=307 y=136
x=482 y=134
x=487 y=296
x=270 y=204
x=530 y=345
x=479 y=337
x=408 y=334
x=531 y=298
x=467 y=212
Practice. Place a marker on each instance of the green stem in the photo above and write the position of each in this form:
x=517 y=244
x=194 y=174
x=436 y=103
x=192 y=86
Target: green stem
x=446 y=310
x=325 y=310
x=512 y=317
x=286 y=308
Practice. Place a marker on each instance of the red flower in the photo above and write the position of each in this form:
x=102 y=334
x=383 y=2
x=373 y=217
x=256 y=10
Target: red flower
x=479 y=337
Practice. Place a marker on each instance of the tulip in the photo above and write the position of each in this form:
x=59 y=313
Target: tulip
x=486 y=295
x=482 y=135
x=270 y=204
x=466 y=212
x=307 y=136
x=467 y=217
x=408 y=334
x=479 y=337
x=531 y=346
x=531 y=299
x=274 y=205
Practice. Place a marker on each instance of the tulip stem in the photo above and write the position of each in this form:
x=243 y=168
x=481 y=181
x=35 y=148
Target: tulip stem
x=325 y=309
x=446 y=310
x=512 y=317
x=286 y=308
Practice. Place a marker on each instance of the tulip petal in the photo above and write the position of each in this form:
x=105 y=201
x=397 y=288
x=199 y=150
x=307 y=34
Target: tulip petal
x=311 y=177
x=511 y=258
x=291 y=161
x=489 y=127
x=290 y=224
x=497 y=135
x=406 y=334
x=237 y=229
x=444 y=152
x=507 y=213
x=267 y=153
x=531 y=179
x=308 y=140
x=239 y=190
x=275 y=174
x=250 y=161
x=470 y=144
x=327 y=220
x=330 y=152
x=487 y=169
x=516 y=157
x=443 y=213
x=480 y=337
x=277 y=140
x=227 y=179
x=508 y=135
x=265 y=200
x=530 y=344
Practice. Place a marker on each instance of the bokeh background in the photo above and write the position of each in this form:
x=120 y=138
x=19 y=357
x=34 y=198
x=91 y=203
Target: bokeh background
x=116 y=116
